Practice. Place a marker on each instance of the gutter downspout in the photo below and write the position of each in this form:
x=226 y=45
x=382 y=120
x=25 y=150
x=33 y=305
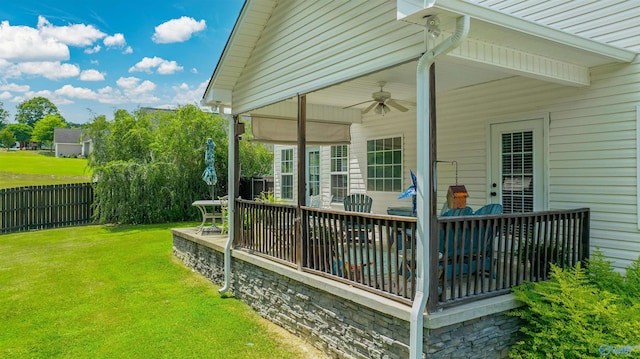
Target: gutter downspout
x=424 y=192
x=231 y=180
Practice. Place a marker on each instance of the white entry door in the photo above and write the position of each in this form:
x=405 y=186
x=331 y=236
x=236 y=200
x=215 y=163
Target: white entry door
x=517 y=165
x=313 y=171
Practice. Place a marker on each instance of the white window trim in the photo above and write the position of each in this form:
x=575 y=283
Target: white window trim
x=282 y=174
x=366 y=153
x=331 y=172
x=546 y=116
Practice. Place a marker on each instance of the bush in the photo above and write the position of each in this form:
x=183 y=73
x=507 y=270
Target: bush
x=581 y=313
x=148 y=164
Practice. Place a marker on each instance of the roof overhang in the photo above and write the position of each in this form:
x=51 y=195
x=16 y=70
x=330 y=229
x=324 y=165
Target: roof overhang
x=517 y=45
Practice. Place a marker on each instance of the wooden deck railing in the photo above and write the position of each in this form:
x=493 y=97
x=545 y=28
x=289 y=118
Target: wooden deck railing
x=267 y=229
x=370 y=251
x=480 y=256
x=473 y=257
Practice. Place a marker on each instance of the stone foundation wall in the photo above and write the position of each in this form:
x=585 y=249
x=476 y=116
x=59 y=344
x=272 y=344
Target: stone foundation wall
x=339 y=327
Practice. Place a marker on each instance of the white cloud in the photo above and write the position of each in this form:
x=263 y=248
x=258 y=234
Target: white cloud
x=116 y=41
x=92 y=50
x=187 y=95
x=76 y=92
x=194 y=70
x=164 y=67
x=23 y=43
x=91 y=75
x=130 y=90
x=14 y=88
x=128 y=50
x=95 y=62
x=134 y=90
x=5 y=95
x=51 y=70
x=74 y=35
x=177 y=30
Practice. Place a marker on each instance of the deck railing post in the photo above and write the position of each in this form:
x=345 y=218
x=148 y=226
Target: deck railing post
x=584 y=240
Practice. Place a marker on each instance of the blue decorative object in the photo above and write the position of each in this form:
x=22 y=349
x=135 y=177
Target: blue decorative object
x=209 y=174
x=411 y=191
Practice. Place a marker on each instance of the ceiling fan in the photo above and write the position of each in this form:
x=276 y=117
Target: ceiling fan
x=382 y=102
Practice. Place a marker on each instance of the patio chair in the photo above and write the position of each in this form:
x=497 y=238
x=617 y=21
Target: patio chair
x=224 y=214
x=357 y=202
x=315 y=201
x=474 y=245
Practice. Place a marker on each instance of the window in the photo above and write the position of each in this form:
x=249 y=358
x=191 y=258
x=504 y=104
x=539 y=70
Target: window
x=517 y=172
x=286 y=173
x=339 y=171
x=384 y=164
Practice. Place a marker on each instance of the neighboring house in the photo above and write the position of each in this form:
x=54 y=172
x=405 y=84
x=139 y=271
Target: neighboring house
x=71 y=142
x=538 y=103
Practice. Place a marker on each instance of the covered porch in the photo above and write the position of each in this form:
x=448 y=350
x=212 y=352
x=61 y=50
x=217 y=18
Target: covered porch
x=474 y=257
x=531 y=115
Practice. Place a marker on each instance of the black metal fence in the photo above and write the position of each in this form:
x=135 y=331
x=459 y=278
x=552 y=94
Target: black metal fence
x=43 y=207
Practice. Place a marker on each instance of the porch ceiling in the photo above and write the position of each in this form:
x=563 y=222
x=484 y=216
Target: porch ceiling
x=400 y=81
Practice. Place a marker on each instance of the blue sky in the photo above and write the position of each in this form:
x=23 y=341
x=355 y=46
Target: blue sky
x=91 y=57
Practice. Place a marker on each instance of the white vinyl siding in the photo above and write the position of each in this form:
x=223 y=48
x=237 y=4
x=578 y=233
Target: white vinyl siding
x=609 y=21
x=591 y=154
x=377 y=126
x=362 y=39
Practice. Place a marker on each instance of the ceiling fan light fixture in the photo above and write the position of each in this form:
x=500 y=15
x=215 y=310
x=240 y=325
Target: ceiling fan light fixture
x=385 y=108
x=378 y=109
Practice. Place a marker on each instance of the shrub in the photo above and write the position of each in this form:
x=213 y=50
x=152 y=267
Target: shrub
x=581 y=313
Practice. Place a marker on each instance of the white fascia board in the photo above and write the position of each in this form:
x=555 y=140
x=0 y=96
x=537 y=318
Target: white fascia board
x=415 y=10
x=208 y=99
x=214 y=96
x=523 y=63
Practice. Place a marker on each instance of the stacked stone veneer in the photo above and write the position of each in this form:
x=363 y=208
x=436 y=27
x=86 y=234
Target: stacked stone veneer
x=339 y=327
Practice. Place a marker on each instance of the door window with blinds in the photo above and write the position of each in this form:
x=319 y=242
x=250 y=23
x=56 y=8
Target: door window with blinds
x=517 y=165
x=517 y=172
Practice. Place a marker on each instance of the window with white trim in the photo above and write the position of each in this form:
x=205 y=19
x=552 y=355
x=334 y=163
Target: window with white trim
x=339 y=172
x=286 y=173
x=384 y=164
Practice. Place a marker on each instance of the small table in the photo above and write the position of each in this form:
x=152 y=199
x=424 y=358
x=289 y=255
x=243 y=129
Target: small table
x=203 y=206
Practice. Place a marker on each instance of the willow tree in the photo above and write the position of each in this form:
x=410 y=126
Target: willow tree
x=148 y=164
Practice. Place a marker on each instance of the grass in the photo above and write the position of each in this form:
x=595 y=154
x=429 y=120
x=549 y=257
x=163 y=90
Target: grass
x=118 y=292
x=31 y=168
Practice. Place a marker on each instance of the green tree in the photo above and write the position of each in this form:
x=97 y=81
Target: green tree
x=149 y=163
x=21 y=131
x=43 y=130
x=256 y=159
x=7 y=138
x=35 y=109
x=4 y=114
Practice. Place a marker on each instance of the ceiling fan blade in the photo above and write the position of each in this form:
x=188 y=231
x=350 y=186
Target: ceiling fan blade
x=397 y=106
x=356 y=104
x=374 y=104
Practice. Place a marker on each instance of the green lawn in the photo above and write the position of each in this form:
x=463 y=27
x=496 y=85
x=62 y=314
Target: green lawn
x=117 y=292
x=31 y=168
